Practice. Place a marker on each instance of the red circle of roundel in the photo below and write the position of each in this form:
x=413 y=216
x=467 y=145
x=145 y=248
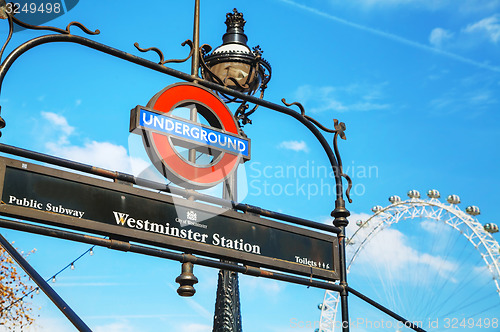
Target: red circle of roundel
x=163 y=154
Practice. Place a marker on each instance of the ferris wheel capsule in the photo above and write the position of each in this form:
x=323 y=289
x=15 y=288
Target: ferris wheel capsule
x=414 y=194
x=491 y=228
x=453 y=199
x=320 y=306
x=377 y=208
x=394 y=199
x=361 y=223
x=433 y=193
x=472 y=210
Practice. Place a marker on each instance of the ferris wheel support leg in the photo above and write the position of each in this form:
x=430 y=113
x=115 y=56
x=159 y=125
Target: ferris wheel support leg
x=340 y=214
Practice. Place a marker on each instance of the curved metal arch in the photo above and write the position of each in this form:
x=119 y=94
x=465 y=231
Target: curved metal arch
x=340 y=213
x=52 y=38
x=416 y=208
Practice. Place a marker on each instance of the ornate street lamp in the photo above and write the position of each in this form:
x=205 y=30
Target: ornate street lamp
x=234 y=64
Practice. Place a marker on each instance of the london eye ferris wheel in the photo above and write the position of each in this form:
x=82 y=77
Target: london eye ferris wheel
x=431 y=261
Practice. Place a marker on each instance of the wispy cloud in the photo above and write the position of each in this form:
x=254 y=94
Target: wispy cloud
x=354 y=97
x=393 y=37
x=432 y=226
x=439 y=36
x=123 y=326
x=455 y=100
x=252 y=285
x=193 y=327
x=60 y=124
x=389 y=248
x=488 y=27
x=294 y=146
x=101 y=154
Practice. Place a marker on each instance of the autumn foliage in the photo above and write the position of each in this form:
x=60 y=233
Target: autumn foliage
x=15 y=313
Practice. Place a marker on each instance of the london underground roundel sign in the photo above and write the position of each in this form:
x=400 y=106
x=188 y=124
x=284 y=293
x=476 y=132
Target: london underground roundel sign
x=175 y=143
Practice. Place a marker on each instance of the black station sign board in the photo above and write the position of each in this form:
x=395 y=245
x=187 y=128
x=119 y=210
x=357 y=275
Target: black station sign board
x=121 y=211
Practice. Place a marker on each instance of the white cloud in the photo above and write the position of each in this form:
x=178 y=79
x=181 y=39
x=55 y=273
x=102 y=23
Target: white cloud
x=432 y=226
x=488 y=27
x=294 y=146
x=482 y=271
x=472 y=99
x=253 y=285
x=439 y=36
x=323 y=95
x=444 y=268
x=194 y=327
x=389 y=251
x=101 y=154
x=356 y=97
x=115 y=327
x=59 y=123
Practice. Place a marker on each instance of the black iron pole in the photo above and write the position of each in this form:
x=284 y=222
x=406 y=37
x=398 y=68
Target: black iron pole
x=340 y=213
x=195 y=65
x=406 y=322
x=45 y=158
x=227 y=313
x=343 y=282
x=45 y=287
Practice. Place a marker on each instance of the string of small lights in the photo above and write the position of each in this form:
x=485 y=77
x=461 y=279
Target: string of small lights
x=36 y=290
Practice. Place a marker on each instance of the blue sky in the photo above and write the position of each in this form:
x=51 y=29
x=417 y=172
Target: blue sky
x=417 y=83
